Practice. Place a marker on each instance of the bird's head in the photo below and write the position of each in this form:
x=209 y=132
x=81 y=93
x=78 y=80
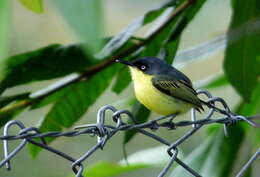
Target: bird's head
x=146 y=65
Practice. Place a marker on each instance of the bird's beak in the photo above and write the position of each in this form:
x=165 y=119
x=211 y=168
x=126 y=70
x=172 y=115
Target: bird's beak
x=128 y=63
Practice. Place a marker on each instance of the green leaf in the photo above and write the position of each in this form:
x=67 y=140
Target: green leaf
x=108 y=169
x=85 y=18
x=76 y=100
x=38 y=103
x=172 y=33
x=172 y=42
x=217 y=82
x=124 y=103
x=174 y=38
x=141 y=114
x=211 y=83
x=4 y=33
x=45 y=63
x=247 y=109
x=222 y=155
x=171 y=50
x=35 y=6
x=195 y=159
x=242 y=59
x=123 y=79
x=216 y=156
x=123 y=37
x=154 y=156
x=154 y=47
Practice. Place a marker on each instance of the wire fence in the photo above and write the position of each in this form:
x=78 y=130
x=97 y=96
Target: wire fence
x=105 y=132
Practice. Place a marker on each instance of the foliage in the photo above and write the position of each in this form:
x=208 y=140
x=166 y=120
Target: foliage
x=97 y=170
x=242 y=60
x=216 y=156
x=35 y=6
x=89 y=29
x=95 y=70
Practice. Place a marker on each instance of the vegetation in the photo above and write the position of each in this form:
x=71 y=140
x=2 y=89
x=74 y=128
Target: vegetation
x=90 y=66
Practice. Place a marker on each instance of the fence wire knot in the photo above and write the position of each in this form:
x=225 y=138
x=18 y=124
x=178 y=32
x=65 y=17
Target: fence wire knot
x=104 y=132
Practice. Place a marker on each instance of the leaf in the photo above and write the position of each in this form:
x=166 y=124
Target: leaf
x=172 y=32
x=45 y=63
x=154 y=47
x=174 y=38
x=172 y=43
x=4 y=33
x=222 y=155
x=212 y=82
x=242 y=61
x=111 y=169
x=120 y=39
x=108 y=169
x=141 y=114
x=216 y=156
x=35 y=6
x=123 y=79
x=247 y=109
x=155 y=156
x=86 y=20
x=195 y=159
x=171 y=50
x=124 y=103
x=76 y=100
x=52 y=98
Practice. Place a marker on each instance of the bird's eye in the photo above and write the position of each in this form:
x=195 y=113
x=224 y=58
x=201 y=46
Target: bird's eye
x=143 y=67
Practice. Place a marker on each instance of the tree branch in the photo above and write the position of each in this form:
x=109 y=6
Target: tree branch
x=104 y=64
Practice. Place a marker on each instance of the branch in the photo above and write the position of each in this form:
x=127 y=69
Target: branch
x=99 y=67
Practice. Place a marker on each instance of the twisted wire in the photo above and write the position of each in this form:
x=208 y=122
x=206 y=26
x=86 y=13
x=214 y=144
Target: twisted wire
x=104 y=132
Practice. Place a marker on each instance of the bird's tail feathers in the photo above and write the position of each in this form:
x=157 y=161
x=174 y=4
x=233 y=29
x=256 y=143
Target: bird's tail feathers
x=212 y=106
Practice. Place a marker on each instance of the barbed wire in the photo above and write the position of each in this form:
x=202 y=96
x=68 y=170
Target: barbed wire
x=104 y=132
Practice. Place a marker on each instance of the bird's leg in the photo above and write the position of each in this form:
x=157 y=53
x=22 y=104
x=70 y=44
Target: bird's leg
x=169 y=122
x=171 y=116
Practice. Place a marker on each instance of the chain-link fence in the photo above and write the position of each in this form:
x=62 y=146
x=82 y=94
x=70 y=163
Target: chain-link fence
x=105 y=132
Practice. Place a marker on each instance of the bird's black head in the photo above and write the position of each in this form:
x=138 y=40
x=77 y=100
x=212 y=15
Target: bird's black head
x=148 y=65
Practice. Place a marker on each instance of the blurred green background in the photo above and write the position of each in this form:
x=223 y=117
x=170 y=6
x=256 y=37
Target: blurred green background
x=30 y=31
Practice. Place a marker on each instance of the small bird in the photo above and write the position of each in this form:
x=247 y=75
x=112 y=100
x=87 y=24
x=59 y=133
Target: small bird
x=162 y=88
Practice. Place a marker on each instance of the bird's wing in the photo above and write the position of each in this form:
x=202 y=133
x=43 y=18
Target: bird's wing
x=179 y=89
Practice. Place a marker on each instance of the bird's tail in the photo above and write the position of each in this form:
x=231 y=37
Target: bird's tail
x=210 y=106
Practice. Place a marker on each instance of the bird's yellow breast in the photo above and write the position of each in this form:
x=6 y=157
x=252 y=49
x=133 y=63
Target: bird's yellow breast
x=154 y=99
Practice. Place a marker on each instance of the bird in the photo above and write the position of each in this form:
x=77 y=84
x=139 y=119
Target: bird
x=162 y=88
